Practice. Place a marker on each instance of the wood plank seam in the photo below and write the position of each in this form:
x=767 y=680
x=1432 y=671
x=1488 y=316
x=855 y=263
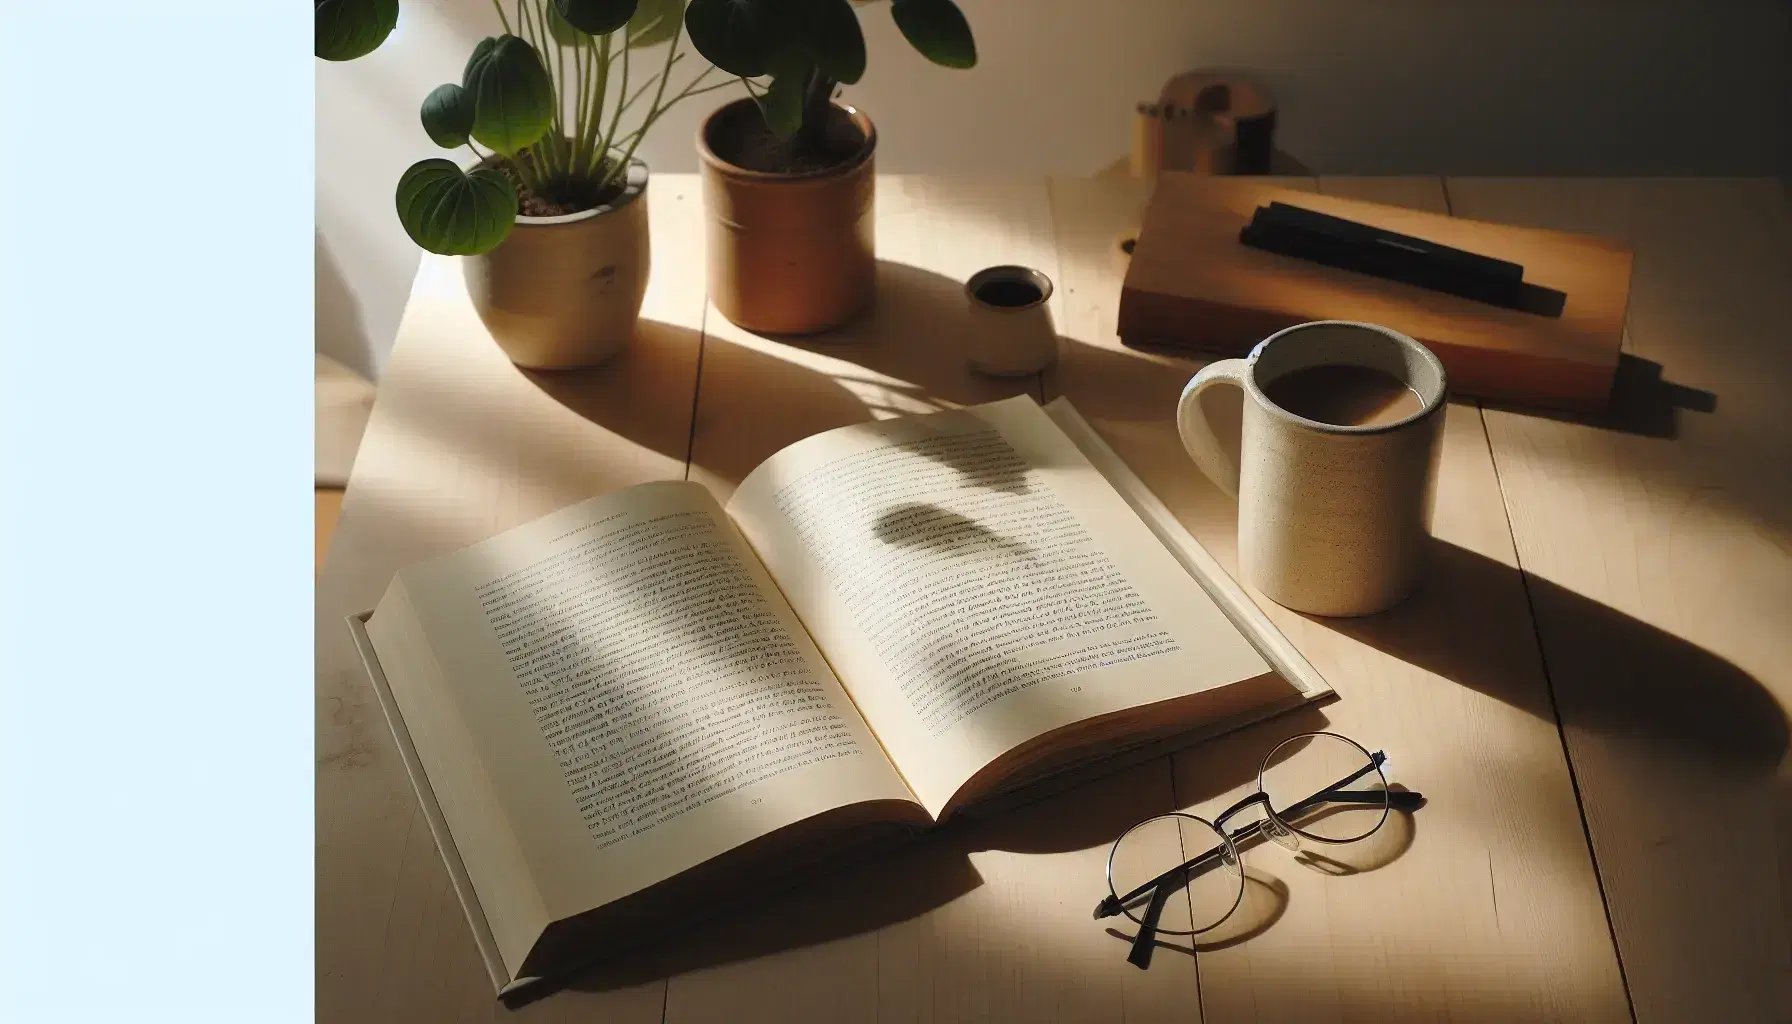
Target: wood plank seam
x=1549 y=685
x=690 y=438
x=1549 y=688
x=1040 y=381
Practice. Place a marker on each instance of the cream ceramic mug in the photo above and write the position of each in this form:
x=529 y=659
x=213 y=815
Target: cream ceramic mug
x=1332 y=519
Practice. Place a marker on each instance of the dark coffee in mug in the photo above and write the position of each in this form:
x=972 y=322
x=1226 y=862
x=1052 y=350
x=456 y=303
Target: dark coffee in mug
x=1344 y=395
x=1009 y=293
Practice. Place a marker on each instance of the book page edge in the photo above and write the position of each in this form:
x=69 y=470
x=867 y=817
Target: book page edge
x=1033 y=791
x=1238 y=607
x=502 y=982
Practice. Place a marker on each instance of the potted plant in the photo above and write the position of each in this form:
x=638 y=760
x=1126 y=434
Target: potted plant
x=787 y=172
x=552 y=222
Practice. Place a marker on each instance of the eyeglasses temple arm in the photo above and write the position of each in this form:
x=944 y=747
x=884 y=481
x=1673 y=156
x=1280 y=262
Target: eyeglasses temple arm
x=1398 y=799
x=1140 y=955
x=1111 y=905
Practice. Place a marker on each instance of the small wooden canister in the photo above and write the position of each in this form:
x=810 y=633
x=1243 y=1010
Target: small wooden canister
x=1205 y=123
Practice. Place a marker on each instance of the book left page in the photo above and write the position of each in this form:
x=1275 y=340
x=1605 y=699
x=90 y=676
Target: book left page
x=613 y=694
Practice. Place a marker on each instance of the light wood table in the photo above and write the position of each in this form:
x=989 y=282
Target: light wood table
x=1589 y=690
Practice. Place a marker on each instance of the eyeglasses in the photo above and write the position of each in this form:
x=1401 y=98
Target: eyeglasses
x=1150 y=869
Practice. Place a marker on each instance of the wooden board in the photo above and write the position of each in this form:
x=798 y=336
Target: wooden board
x=1191 y=283
x=1483 y=905
x=1660 y=569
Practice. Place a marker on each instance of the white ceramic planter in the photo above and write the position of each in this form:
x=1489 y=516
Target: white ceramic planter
x=561 y=292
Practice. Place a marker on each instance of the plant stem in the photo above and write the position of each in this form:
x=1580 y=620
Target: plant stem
x=578 y=90
x=533 y=34
x=644 y=86
x=560 y=85
x=587 y=116
x=653 y=114
x=817 y=97
x=524 y=172
x=603 y=149
x=499 y=6
x=690 y=89
x=698 y=92
x=597 y=104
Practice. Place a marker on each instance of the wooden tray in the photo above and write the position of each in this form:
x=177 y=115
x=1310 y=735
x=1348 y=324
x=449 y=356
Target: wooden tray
x=1191 y=284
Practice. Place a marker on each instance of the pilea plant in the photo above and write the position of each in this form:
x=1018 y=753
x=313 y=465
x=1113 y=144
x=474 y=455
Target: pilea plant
x=809 y=47
x=547 y=98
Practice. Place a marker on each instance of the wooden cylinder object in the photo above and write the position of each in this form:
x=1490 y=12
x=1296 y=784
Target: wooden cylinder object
x=1238 y=111
x=1147 y=141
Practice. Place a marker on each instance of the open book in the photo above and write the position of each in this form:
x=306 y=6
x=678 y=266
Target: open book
x=631 y=702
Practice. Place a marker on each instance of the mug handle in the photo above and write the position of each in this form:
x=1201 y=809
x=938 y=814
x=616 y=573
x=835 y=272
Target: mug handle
x=1197 y=433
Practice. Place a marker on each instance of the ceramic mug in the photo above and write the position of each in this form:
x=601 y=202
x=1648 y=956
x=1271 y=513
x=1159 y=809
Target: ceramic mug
x=1332 y=519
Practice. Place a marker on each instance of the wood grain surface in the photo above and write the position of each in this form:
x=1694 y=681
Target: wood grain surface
x=1589 y=689
x=1658 y=558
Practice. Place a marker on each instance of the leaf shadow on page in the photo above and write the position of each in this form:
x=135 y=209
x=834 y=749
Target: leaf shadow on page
x=924 y=525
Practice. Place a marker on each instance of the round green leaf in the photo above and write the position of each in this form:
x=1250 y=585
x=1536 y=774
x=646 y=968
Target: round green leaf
x=448 y=115
x=449 y=211
x=782 y=103
x=513 y=96
x=482 y=52
x=655 y=21
x=828 y=31
x=347 y=29
x=562 y=30
x=938 y=30
x=596 y=17
x=734 y=35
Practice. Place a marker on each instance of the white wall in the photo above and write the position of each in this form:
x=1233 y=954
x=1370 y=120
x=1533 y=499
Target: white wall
x=1366 y=87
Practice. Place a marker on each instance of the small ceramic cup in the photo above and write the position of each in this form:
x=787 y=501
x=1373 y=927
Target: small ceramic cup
x=1332 y=519
x=1010 y=324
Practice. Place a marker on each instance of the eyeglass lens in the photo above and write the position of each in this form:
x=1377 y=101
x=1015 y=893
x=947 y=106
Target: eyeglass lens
x=1321 y=786
x=1302 y=766
x=1201 y=896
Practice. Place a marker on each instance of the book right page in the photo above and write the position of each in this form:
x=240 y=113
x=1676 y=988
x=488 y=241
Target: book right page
x=977 y=585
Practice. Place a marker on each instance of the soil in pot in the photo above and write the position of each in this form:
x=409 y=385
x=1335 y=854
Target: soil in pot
x=740 y=136
x=559 y=196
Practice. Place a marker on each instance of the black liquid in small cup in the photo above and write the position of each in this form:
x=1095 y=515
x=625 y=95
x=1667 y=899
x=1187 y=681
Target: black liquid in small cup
x=1347 y=396
x=1008 y=292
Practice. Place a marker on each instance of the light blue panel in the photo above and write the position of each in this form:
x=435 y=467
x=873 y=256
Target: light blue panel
x=156 y=184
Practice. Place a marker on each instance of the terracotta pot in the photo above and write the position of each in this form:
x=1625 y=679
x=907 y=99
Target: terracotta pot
x=566 y=291
x=788 y=253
